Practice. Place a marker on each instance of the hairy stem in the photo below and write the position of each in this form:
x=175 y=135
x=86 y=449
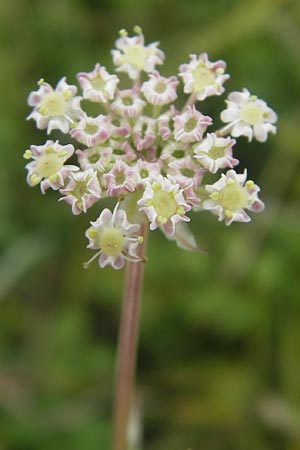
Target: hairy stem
x=127 y=344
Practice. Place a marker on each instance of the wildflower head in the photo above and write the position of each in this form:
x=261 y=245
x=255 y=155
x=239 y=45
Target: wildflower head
x=139 y=149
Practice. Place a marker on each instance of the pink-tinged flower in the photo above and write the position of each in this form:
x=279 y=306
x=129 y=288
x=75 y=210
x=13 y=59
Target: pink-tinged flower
x=188 y=175
x=215 y=153
x=203 y=77
x=98 y=85
x=122 y=150
x=146 y=172
x=96 y=158
x=92 y=130
x=128 y=103
x=55 y=109
x=133 y=57
x=248 y=116
x=185 y=172
x=165 y=123
x=144 y=133
x=164 y=205
x=121 y=179
x=47 y=167
x=231 y=195
x=159 y=90
x=82 y=191
x=190 y=125
x=121 y=128
x=115 y=239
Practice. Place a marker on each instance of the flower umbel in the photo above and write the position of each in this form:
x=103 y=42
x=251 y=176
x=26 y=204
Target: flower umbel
x=153 y=158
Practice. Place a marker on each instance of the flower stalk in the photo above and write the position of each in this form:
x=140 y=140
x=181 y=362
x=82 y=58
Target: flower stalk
x=127 y=346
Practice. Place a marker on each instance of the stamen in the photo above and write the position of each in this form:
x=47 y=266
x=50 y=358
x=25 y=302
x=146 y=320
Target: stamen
x=27 y=154
x=113 y=217
x=86 y=264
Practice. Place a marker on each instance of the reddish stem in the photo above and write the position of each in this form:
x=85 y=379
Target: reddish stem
x=127 y=345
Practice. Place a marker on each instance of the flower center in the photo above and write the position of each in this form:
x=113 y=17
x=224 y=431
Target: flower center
x=93 y=158
x=202 y=78
x=111 y=241
x=80 y=189
x=190 y=125
x=144 y=173
x=136 y=55
x=120 y=178
x=48 y=164
x=91 y=129
x=164 y=203
x=216 y=152
x=189 y=173
x=98 y=83
x=160 y=88
x=233 y=197
x=178 y=154
x=251 y=113
x=53 y=104
x=127 y=101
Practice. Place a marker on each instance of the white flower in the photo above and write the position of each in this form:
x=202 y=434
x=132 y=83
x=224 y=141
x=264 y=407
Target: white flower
x=215 y=153
x=82 y=191
x=98 y=85
x=159 y=90
x=47 y=167
x=55 y=109
x=116 y=239
x=132 y=56
x=203 y=77
x=231 y=195
x=190 y=125
x=248 y=116
x=92 y=130
x=164 y=205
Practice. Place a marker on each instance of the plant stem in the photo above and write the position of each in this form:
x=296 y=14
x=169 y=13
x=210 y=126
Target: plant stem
x=127 y=344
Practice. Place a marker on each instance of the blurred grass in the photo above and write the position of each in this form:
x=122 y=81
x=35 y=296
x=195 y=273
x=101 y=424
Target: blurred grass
x=219 y=364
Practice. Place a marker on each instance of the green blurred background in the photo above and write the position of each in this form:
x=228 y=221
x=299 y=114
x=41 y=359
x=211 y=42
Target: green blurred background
x=219 y=353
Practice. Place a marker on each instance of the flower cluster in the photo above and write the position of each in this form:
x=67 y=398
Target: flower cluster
x=145 y=152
